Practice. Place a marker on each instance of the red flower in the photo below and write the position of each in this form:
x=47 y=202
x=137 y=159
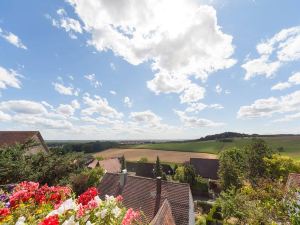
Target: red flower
x=87 y=196
x=51 y=220
x=130 y=216
x=4 y=212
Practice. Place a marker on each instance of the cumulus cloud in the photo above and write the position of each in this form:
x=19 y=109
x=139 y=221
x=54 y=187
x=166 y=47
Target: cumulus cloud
x=9 y=78
x=23 y=107
x=292 y=81
x=192 y=93
x=93 y=81
x=112 y=92
x=98 y=105
x=70 y=25
x=283 y=47
x=193 y=121
x=141 y=31
x=269 y=106
x=128 y=102
x=65 y=90
x=12 y=38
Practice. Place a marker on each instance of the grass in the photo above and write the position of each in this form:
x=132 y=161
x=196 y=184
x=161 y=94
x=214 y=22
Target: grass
x=290 y=145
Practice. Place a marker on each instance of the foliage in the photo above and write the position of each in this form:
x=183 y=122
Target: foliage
x=200 y=184
x=255 y=154
x=52 y=167
x=143 y=160
x=265 y=203
x=186 y=174
x=157 y=171
x=31 y=204
x=279 y=167
x=232 y=167
x=87 y=178
x=200 y=220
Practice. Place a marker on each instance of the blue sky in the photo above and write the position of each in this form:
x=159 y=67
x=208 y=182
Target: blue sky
x=160 y=69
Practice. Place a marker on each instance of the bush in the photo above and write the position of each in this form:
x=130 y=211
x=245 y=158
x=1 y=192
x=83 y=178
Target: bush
x=87 y=178
x=200 y=184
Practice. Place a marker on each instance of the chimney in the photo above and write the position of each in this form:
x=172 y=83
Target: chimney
x=158 y=195
x=123 y=178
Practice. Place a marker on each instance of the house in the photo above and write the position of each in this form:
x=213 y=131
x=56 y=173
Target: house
x=146 y=169
x=293 y=181
x=207 y=168
x=112 y=165
x=9 y=138
x=149 y=195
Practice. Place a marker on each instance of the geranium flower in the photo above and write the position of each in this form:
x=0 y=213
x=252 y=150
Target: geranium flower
x=21 y=221
x=130 y=216
x=87 y=196
x=4 y=212
x=51 y=220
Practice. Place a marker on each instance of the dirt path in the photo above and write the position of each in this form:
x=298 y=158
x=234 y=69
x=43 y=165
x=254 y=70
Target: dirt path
x=165 y=156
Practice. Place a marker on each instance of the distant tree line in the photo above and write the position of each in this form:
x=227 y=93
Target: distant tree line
x=89 y=147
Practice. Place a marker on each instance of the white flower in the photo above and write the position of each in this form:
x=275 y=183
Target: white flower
x=103 y=213
x=109 y=199
x=89 y=223
x=66 y=205
x=70 y=221
x=21 y=221
x=116 y=211
x=97 y=200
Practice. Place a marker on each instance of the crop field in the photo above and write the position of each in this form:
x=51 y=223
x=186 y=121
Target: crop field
x=288 y=145
x=150 y=154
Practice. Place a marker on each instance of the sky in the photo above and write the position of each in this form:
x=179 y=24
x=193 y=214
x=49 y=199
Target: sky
x=149 y=69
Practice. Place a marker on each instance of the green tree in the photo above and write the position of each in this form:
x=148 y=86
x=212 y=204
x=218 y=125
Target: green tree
x=256 y=151
x=185 y=174
x=232 y=167
x=143 y=160
x=157 y=172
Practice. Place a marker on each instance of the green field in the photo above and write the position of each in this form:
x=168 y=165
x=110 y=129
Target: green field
x=290 y=145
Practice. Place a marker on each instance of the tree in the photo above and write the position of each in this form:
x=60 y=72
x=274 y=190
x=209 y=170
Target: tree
x=123 y=162
x=232 y=168
x=157 y=172
x=256 y=151
x=185 y=174
x=143 y=160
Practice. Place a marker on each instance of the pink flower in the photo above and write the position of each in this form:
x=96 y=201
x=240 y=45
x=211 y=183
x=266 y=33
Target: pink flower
x=130 y=216
x=119 y=198
x=51 y=220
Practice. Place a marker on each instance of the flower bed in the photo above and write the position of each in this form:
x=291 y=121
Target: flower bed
x=31 y=204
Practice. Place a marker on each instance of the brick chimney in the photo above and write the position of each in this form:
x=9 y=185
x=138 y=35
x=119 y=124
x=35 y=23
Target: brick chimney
x=158 y=195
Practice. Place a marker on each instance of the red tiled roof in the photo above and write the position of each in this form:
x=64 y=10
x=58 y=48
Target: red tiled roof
x=8 y=138
x=112 y=165
x=139 y=193
x=207 y=168
x=293 y=181
x=164 y=215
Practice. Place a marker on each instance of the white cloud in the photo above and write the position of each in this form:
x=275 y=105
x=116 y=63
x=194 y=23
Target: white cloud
x=141 y=31
x=23 y=107
x=219 y=89
x=216 y=106
x=64 y=90
x=192 y=93
x=70 y=25
x=283 y=47
x=198 y=107
x=148 y=119
x=269 y=106
x=113 y=92
x=12 y=38
x=66 y=110
x=192 y=121
x=293 y=80
x=93 y=81
x=99 y=105
x=75 y=104
x=128 y=102
x=4 y=117
x=9 y=78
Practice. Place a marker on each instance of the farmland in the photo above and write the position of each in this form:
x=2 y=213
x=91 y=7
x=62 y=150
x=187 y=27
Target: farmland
x=288 y=145
x=150 y=154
